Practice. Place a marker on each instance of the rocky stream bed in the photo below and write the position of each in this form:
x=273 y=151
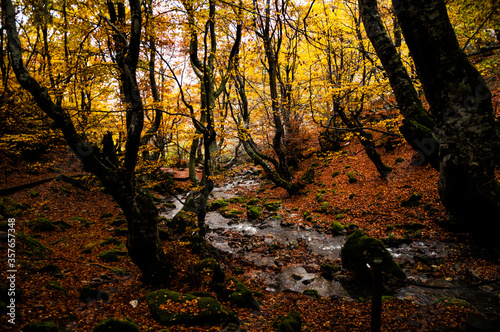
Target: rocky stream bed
x=289 y=257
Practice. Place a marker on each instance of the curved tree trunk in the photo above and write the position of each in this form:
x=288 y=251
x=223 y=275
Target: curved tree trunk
x=143 y=242
x=461 y=104
x=418 y=125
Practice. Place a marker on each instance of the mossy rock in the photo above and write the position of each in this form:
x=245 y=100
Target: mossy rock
x=254 y=212
x=328 y=270
x=412 y=201
x=41 y=327
x=32 y=247
x=10 y=208
x=42 y=224
x=253 y=201
x=112 y=240
x=361 y=250
x=337 y=227
x=116 y=325
x=311 y=293
x=240 y=200
x=90 y=294
x=217 y=204
x=241 y=295
x=324 y=207
x=169 y=307
x=289 y=323
x=182 y=220
x=118 y=222
x=272 y=206
x=106 y=215
x=319 y=198
x=62 y=225
x=109 y=256
x=233 y=213
x=352 y=177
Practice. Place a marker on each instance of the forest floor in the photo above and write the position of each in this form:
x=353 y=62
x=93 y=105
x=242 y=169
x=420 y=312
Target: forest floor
x=87 y=223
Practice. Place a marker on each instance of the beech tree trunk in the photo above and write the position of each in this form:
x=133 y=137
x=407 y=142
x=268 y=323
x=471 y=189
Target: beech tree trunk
x=418 y=125
x=143 y=242
x=461 y=105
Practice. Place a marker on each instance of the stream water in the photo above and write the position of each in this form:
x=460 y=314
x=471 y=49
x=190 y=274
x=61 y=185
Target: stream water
x=288 y=257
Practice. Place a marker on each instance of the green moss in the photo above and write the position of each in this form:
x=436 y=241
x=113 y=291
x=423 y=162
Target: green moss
x=319 y=198
x=169 y=307
x=324 y=207
x=361 y=250
x=340 y=216
x=41 y=327
x=33 y=193
x=109 y=256
x=42 y=224
x=414 y=226
x=116 y=325
x=254 y=212
x=112 y=240
x=312 y=293
x=234 y=213
x=253 y=201
x=335 y=174
x=337 y=227
x=241 y=295
x=32 y=247
x=169 y=205
x=106 y=215
x=352 y=177
x=182 y=220
x=289 y=323
x=217 y=204
x=118 y=222
x=237 y=200
x=272 y=206
x=328 y=270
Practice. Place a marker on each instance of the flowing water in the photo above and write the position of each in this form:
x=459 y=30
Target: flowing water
x=288 y=257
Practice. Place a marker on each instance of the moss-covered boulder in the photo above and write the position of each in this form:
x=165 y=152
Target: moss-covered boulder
x=254 y=212
x=42 y=224
x=412 y=201
x=116 y=325
x=272 y=206
x=169 y=307
x=41 y=327
x=109 y=256
x=289 y=323
x=361 y=250
x=217 y=204
x=241 y=295
x=328 y=270
x=182 y=220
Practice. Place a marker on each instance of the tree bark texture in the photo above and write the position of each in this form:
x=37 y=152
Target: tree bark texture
x=143 y=242
x=418 y=125
x=461 y=105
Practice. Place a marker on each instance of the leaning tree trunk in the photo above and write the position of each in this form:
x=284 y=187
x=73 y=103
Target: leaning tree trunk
x=418 y=125
x=461 y=104
x=142 y=216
